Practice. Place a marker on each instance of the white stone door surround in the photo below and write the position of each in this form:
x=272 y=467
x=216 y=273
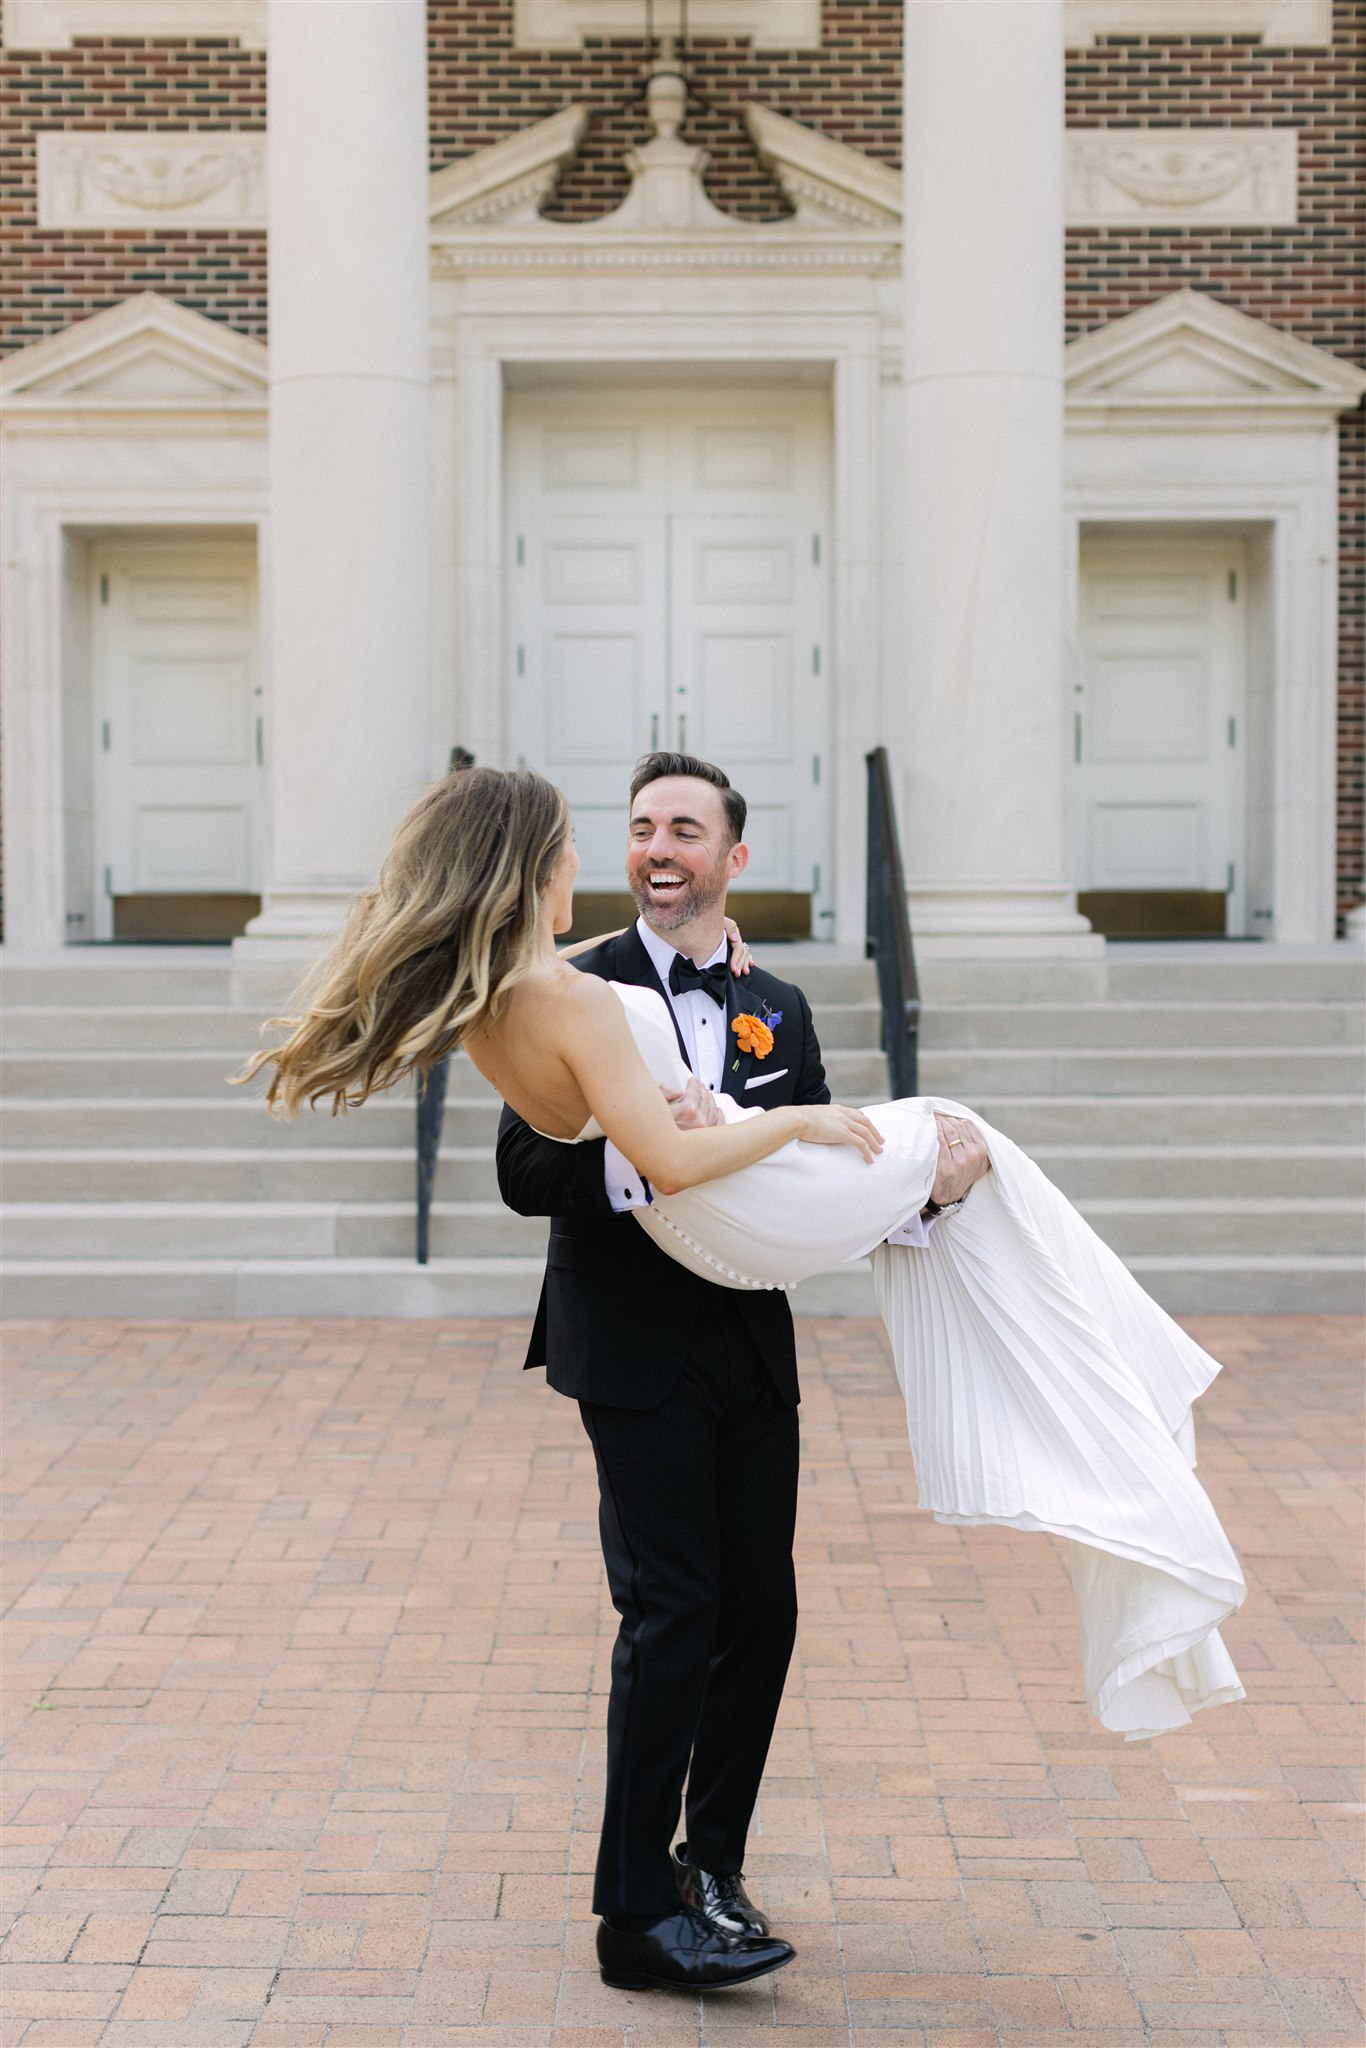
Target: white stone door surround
x=1189 y=416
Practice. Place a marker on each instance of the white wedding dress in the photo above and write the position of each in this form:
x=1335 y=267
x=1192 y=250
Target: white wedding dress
x=1044 y=1390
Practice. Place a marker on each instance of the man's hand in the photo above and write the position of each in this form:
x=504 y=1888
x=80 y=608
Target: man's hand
x=694 y=1107
x=963 y=1159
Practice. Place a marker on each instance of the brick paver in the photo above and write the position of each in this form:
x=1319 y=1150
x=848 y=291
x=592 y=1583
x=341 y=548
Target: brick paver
x=305 y=1679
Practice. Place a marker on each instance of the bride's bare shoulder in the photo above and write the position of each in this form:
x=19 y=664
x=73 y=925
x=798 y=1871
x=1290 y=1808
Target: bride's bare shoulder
x=564 y=999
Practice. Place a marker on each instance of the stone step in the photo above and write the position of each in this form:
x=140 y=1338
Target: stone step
x=103 y=975
x=230 y=1035
x=455 y=1288
x=162 y=1122
x=262 y=1230
x=1177 y=1121
x=1210 y=1227
x=1138 y=975
x=357 y=1174
x=968 y=1075
x=466 y=1173
x=1115 y=1027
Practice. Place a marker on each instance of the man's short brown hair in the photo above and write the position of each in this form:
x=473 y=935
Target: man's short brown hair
x=655 y=767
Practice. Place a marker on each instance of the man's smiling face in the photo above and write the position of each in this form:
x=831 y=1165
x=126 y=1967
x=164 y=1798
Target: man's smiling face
x=680 y=858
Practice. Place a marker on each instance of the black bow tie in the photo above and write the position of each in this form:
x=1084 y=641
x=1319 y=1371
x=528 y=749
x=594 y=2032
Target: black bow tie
x=683 y=976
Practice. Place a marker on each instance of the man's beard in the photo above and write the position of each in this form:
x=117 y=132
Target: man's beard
x=693 y=900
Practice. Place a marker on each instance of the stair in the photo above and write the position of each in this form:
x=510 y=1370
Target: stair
x=1203 y=1108
x=1202 y=1105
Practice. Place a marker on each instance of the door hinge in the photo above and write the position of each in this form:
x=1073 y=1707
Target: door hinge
x=816 y=768
x=109 y=881
x=815 y=551
x=1076 y=736
x=260 y=743
x=521 y=661
x=1231 y=872
x=106 y=739
x=816 y=878
x=1233 y=732
x=104 y=590
x=521 y=551
x=815 y=661
x=1233 y=586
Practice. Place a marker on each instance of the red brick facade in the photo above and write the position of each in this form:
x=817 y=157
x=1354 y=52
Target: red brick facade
x=1307 y=279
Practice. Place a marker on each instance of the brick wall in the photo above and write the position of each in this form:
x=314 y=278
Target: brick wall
x=1306 y=279
x=53 y=276
x=1309 y=279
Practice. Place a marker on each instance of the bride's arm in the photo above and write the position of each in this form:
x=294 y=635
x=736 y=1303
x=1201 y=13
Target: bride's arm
x=594 y=1040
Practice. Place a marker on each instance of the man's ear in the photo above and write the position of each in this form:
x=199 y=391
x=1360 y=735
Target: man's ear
x=737 y=861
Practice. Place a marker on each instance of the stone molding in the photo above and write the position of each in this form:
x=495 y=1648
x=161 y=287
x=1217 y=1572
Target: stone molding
x=1190 y=360
x=507 y=183
x=196 y=178
x=1178 y=177
x=830 y=184
x=1279 y=23
x=55 y=24
x=768 y=24
x=146 y=361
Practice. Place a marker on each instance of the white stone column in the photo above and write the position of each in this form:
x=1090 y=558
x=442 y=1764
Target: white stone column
x=982 y=716
x=349 y=589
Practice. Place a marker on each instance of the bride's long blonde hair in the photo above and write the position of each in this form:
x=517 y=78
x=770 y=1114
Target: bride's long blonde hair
x=434 y=949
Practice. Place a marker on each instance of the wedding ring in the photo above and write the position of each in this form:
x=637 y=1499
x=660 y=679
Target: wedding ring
x=954 y=1143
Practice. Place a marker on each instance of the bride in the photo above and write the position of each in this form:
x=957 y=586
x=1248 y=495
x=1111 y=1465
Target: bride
x=1043 y=1389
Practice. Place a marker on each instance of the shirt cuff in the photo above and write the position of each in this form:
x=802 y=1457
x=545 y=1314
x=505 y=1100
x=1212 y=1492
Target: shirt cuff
x=626 y=1189
x=915 y=1231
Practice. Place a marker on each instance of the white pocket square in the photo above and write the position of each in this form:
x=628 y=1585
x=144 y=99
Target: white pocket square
x=762 y=1080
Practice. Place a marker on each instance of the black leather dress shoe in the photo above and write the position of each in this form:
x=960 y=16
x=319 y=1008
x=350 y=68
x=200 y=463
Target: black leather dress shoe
x=684 y=1952
x=722 y=1900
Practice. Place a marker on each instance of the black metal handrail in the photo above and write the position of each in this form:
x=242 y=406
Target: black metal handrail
x=889 y=931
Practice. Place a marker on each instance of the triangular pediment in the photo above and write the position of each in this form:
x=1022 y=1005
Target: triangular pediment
x=145 y=355
x=507 y=183
x=829 y=184
x=1190 y=352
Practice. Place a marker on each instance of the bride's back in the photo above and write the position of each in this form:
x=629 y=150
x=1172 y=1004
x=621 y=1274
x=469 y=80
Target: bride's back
x=525 y=1053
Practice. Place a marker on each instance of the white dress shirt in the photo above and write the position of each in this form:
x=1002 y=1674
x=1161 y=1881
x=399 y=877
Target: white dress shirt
x=702 y=1027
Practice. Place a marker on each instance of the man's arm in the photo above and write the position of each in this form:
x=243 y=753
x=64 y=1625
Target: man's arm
x=811 y=1084
x=538 y=1177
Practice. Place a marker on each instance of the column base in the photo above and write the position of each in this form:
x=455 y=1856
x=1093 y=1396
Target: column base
x=279 y=946
x=1355 y=934
x=1001 y=921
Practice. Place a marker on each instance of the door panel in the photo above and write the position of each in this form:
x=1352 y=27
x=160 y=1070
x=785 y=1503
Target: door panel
x=666 y=588
x=1158 y=731
x=179 y=786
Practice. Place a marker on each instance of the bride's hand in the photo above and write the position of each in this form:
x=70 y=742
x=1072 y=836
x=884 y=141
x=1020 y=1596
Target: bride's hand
x=834 y=1124
x=741 y=959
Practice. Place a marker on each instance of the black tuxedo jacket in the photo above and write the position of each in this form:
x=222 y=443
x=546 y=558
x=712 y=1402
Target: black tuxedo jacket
x=617 y=1315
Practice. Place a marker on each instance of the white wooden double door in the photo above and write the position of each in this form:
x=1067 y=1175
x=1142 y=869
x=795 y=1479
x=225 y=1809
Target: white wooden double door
x=668 y=564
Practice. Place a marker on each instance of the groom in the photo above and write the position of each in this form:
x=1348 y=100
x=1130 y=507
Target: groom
x=688 y=1393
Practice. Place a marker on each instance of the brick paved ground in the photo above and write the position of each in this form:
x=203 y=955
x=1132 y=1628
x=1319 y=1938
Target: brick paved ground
x=306 y=1667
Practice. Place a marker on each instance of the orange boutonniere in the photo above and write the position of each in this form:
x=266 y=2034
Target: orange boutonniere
x=753 y=1035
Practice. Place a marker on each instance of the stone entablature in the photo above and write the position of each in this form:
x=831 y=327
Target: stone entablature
x=151 y=180
x=1280 y=23
x=55 y=24
x=768 y=24
x=1182 y=177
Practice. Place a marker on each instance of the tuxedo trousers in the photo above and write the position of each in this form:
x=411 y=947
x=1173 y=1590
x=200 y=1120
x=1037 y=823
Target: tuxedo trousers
x=698 y=1504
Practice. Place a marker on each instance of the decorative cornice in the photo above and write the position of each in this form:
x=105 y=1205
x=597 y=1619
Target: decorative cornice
x=508 y=182
x=567 y=24
x=829 y=184
x=1278 y=23
x=747 y=248
x=149 y=180
x=146 y=357
x=1179 y=177
x=55 y=24
x=1195 y=361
